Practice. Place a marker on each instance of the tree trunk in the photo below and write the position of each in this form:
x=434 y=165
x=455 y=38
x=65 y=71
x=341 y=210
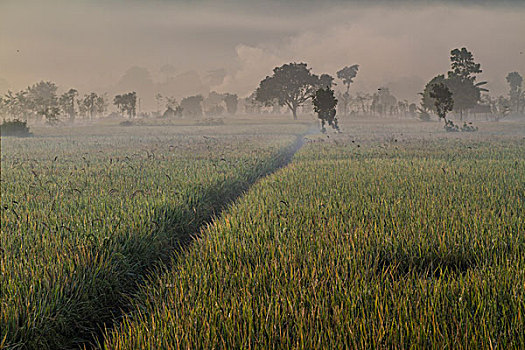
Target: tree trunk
x=294 y=112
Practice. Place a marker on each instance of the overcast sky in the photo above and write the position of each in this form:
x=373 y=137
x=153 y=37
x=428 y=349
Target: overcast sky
x=91 y=44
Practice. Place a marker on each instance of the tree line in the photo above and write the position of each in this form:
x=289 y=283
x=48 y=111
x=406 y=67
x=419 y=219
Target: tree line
x=292 y=86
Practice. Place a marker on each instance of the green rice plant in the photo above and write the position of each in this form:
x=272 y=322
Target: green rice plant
x=413 y=244
x=86 y=218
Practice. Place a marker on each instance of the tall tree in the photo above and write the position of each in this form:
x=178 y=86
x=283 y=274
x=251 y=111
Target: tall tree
x=92 y=104
x=231 y=101
x=515 y=81
x=325 y=104
x=16 y=105
x=427 y=102
x=290 y=85
x=462 y=64
x=192 y=106
x=326 y=81
x=67 y=103
x=347 y=75
x=127 y=103
x=42 y=99
x=461 y=80
x=442 y=100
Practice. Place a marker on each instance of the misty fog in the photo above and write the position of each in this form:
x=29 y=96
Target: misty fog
x=182 y=48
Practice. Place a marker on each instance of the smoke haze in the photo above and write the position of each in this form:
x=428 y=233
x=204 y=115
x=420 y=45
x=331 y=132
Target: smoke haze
x=182 y=48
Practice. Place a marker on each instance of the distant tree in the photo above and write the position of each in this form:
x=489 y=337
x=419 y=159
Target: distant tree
x=290 y=85
x=231 y=101
x=172 y=112
x=42 y=99
x=442 y=100
x=159 y=99
x=502 y=108
x=92 y=104
x=344 y=102
x=213 y=104
x=412 y=109
x=364 y=101
x=16 y=105
x=191 y=106
x=347 y=75
x=383 y=101
x=516 y=94
x=325 y=81
x=253 y=106
x=171 y=102
x=461 y=80
x=427 y=102
x=462 y=65
x=67 y=103
x=325 y=104
x=127 y=103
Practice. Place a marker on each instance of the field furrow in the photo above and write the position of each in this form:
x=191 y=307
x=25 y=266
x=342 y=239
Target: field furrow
x=85 y=219
x=413 y=244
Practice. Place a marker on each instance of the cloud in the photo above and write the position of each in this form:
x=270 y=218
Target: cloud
x=90 y=44
x=401 y=49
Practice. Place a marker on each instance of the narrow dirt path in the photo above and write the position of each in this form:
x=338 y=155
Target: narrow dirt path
x=119 y=313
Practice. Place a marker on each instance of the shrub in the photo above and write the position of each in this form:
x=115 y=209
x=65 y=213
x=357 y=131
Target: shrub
x=14 y=127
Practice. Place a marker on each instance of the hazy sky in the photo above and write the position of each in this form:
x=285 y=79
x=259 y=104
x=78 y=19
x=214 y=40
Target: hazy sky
x=91 y=44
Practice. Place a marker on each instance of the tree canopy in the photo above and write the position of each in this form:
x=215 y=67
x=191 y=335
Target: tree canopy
x=290 y=85
x=347 y=75
x=325 y=106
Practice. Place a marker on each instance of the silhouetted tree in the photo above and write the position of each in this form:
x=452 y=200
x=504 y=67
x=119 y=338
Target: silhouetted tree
x=42 y=99
x=461 y=80
x=67 y=103
x=347 y=75
x=383 y=102
x=325 y=81
x=290 y=85
x=427 y=102
x=515 y=81
x=442 y=101
x=463 y=65
x=324 y=103
x=231 y=101
x=92 y=104
x=15 y=105
x=213 y=104
x=191 y=106
x=127 y=103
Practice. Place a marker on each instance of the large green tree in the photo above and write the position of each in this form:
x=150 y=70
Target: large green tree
x=290 y=85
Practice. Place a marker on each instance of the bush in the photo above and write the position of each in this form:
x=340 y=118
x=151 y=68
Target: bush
x=14 y=127
x=450 y=126
x=469 y=127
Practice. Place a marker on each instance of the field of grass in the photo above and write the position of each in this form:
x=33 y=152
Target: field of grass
x=88 y=212
x=391 y=234
x=366 y=240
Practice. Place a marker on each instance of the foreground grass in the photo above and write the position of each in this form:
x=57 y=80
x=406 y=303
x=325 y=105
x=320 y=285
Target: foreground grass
x=392 y=244
x=85 y=218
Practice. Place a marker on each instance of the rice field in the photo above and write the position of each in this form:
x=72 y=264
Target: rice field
x=388 y=235
x=378 y=242
x=87 y=214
